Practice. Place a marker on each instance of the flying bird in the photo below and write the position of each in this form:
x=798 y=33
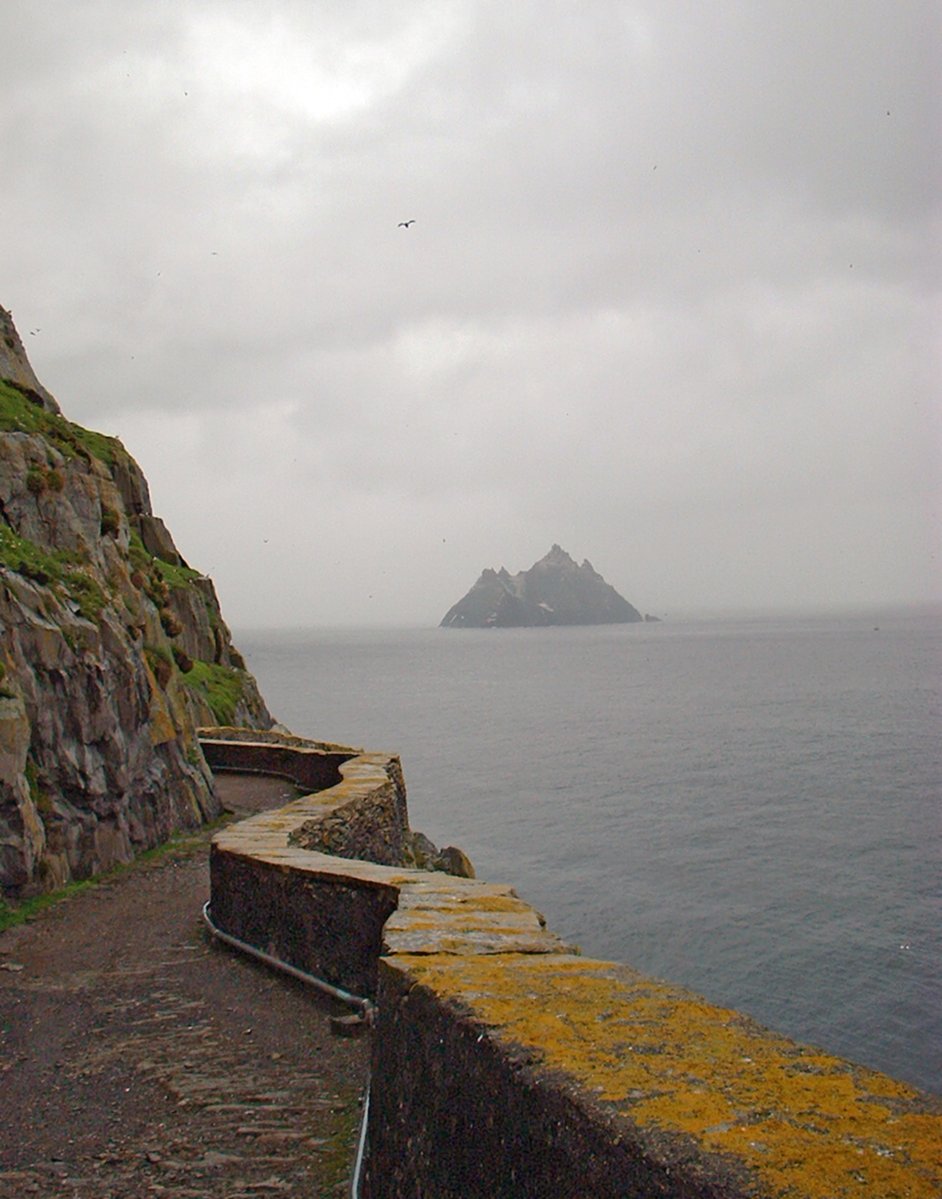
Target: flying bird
x=406 y=224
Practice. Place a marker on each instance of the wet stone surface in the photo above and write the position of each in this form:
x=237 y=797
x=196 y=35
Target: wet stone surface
x=138 y=1058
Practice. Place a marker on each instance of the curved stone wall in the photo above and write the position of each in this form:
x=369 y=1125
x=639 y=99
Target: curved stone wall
x=506 y=1064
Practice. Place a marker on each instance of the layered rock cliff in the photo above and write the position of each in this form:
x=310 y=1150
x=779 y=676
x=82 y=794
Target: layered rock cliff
x=554 y=591
x=112 y=651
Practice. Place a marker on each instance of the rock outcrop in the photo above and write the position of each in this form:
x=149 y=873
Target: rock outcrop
x=112 y=651
x=554 y=591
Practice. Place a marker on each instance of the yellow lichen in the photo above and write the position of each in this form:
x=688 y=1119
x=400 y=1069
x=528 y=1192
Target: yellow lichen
x=806 y=1123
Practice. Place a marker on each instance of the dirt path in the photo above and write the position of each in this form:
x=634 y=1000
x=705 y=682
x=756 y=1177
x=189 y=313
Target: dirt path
x=138 y=1058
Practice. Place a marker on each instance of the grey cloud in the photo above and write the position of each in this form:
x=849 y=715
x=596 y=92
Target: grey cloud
x=667 y=287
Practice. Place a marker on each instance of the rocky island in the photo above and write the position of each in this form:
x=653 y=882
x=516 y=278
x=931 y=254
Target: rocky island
x=112 y=651
x=554 y=591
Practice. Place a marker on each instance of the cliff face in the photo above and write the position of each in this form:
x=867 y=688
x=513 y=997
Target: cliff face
x=554 y=591
x=112 y=651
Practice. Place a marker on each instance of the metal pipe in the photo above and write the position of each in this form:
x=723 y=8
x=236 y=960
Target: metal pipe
x=366 y=1006
x=361 y=1146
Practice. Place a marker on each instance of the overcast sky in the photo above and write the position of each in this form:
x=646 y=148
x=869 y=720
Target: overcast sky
x=671 y=298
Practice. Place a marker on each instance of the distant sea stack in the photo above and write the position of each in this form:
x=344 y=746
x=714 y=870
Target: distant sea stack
x=554 y=591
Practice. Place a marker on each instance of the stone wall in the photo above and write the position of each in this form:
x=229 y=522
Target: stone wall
x=308 y=766
x=506 y=1064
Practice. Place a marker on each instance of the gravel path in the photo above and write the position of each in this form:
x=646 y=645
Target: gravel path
x=139 y=1059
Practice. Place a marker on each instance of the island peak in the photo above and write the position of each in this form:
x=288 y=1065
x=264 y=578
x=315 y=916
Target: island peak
x=554 y=591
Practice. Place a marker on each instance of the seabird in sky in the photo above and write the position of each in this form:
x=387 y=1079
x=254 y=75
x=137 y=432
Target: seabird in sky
x=406 y=224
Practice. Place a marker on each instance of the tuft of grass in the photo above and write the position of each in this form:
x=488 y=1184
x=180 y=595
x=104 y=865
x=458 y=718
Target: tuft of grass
x=147 y=565
x=176 y=577
x=336 y=1156
x=36 y=480
x=41 y=800
x=140 y=559
x=172 y=625
x=160 y=662
x=12 y=914
x=221 y=686
x=110 y=524
x=86 y=593
x=40 y=477
x=183 y=660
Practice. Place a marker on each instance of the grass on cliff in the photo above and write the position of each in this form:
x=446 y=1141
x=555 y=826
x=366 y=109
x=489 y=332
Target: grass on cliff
x=20 y=414
x=18 y=913
x=176 y=577
x=222 y=687
x=183 y=846
x=51 y=569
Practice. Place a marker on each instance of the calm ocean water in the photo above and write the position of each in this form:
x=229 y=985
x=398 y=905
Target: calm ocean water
x=749 y=808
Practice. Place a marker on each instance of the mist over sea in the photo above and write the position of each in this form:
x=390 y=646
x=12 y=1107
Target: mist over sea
x=750 y=808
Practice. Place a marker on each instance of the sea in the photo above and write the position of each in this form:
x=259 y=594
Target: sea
x=747 y=807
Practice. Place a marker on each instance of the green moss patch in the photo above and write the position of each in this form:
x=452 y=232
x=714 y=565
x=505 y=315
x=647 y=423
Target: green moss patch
x=58 y=570
x=157 y=570
x=11 y=914
x=176 y=577
x=222 y=687
x=86 y=593
x=19 y=413
x=177 y=848
x=40 y=798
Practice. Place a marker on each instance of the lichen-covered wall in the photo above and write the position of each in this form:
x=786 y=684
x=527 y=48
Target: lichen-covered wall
x=506 y=1064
